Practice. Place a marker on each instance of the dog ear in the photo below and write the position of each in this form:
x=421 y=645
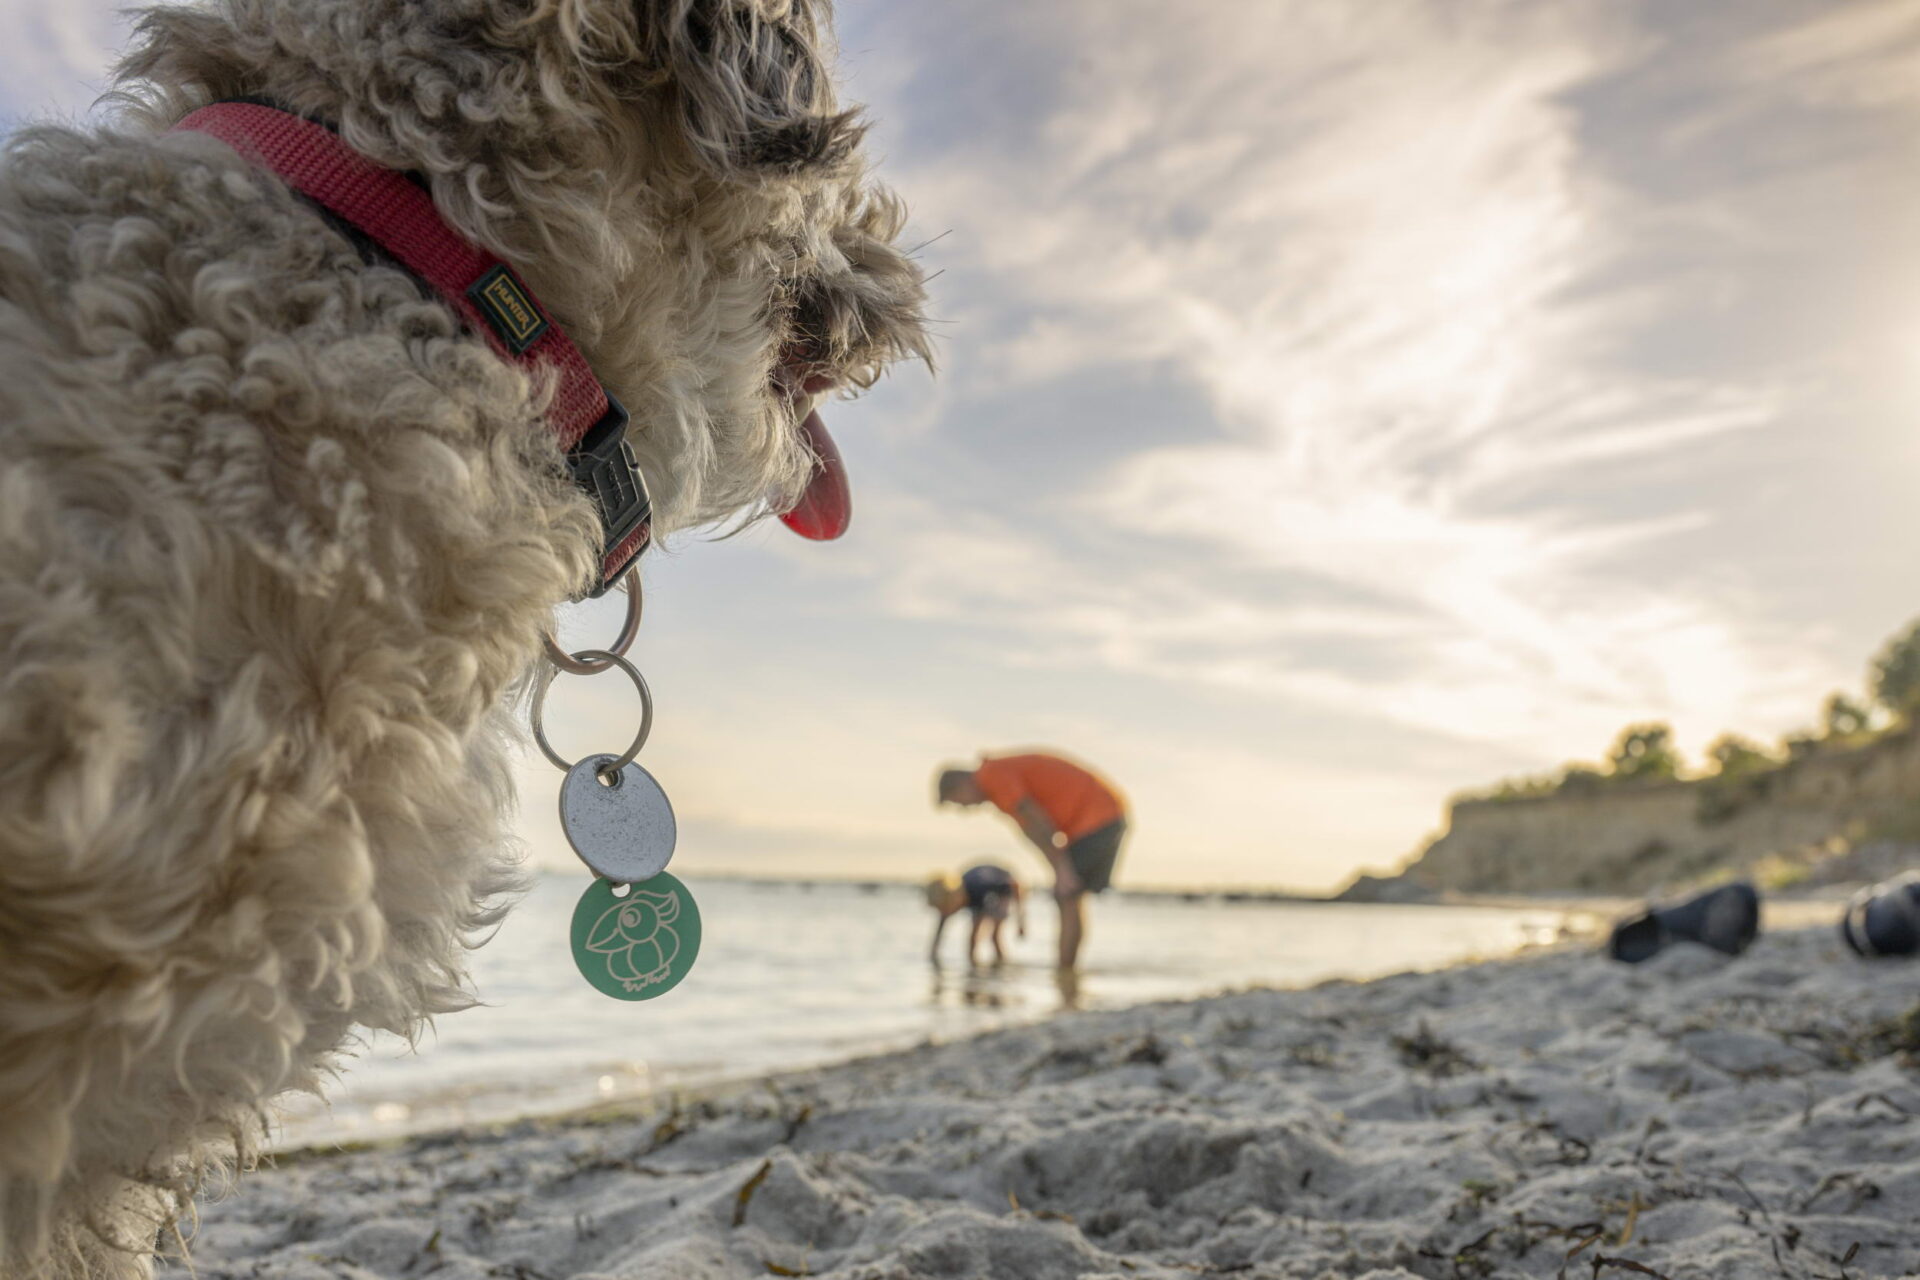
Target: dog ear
x=751 y=81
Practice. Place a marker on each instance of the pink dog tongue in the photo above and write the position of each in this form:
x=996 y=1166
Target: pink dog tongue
x=826 y=508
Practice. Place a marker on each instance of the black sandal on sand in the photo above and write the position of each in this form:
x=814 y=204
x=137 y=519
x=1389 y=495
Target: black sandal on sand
x=1884 y=920
x=1726 y=919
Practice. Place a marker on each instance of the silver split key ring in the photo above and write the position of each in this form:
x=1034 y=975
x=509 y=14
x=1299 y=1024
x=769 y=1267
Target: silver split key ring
x=613 y=764
x=629 y=628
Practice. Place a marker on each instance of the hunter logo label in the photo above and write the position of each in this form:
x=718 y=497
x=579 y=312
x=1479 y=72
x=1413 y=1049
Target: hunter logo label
x=509 y=308
x=637 y=943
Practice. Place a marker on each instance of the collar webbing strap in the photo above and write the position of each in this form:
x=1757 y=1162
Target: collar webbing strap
x=398 y=217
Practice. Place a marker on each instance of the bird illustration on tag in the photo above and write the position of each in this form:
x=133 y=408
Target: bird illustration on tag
x=639 y=944
x=637 y=938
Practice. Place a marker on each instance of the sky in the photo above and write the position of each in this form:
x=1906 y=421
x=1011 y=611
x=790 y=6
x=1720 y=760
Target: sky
x=1339 y=406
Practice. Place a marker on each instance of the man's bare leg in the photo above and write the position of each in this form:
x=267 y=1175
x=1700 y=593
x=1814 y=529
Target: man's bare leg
x=1067 y=983
x=999 y=951
x=1073 y=927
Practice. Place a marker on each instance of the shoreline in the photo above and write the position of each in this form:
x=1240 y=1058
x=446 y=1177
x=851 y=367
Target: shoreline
x=1797 y=900
x=1694 y=1115
x=1581 y=922
x=415 y=1102
x=709 y=1090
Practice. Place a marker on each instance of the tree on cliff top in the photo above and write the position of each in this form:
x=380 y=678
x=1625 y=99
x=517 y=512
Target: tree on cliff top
x=1736 y=757
x=1895 y=677
x=1645 y=751
x=1842 y=717
x=1800 y=744
x=1581 y=780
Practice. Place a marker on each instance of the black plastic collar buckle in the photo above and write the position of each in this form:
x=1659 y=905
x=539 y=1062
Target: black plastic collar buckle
x=602 y=464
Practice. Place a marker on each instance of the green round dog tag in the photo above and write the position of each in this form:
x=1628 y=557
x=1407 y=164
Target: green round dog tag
x=635 y=942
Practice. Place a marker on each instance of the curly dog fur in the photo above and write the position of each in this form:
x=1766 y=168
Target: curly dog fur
x=278 y=540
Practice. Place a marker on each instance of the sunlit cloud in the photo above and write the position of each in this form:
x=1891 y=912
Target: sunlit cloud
x=1381 y=246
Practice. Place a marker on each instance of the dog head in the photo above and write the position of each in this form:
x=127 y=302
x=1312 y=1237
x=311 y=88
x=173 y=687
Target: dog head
x=675 y=178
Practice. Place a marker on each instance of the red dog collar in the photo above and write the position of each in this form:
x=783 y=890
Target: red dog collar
x=398 y=217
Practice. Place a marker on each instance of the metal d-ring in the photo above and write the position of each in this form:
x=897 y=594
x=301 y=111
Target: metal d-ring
x=570 y=662
x=606 y=659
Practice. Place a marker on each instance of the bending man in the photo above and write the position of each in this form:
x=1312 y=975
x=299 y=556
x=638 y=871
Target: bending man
x=1075 y=818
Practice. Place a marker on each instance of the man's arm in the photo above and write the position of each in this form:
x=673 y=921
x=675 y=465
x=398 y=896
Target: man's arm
x=1039 y=828
x=939 y=927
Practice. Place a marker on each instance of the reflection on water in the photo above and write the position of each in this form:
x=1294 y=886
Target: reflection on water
x=796 y=975
x=981 y=987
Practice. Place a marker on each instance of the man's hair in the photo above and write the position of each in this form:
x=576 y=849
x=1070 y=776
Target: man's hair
x=950 y=781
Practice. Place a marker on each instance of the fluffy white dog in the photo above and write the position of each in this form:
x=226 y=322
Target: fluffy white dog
x=278 y=536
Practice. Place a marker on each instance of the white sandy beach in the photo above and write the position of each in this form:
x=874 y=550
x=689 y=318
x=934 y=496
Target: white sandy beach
x=1552 y=1115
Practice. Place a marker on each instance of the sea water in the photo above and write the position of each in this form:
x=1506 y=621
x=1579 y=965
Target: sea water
x=796 y=974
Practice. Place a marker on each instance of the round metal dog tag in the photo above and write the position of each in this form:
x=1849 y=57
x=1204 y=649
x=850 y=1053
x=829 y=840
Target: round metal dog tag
x=622 y=829
x=635 y=942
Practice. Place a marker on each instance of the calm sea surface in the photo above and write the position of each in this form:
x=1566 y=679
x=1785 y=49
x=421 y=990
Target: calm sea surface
x=795 y=975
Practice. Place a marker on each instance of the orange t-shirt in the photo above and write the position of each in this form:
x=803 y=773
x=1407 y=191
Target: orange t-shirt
x=1074 y=799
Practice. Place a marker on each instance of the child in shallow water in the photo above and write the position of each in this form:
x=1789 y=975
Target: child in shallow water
x=988 y=893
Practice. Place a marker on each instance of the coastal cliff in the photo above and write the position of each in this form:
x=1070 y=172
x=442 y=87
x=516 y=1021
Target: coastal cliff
x=1623 y=837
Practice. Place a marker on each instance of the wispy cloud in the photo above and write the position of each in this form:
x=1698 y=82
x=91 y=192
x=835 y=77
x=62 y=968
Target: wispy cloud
x=1388 y=249
x=1860 y=53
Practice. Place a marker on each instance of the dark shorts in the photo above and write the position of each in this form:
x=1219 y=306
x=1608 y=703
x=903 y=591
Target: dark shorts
x=1094 y=854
